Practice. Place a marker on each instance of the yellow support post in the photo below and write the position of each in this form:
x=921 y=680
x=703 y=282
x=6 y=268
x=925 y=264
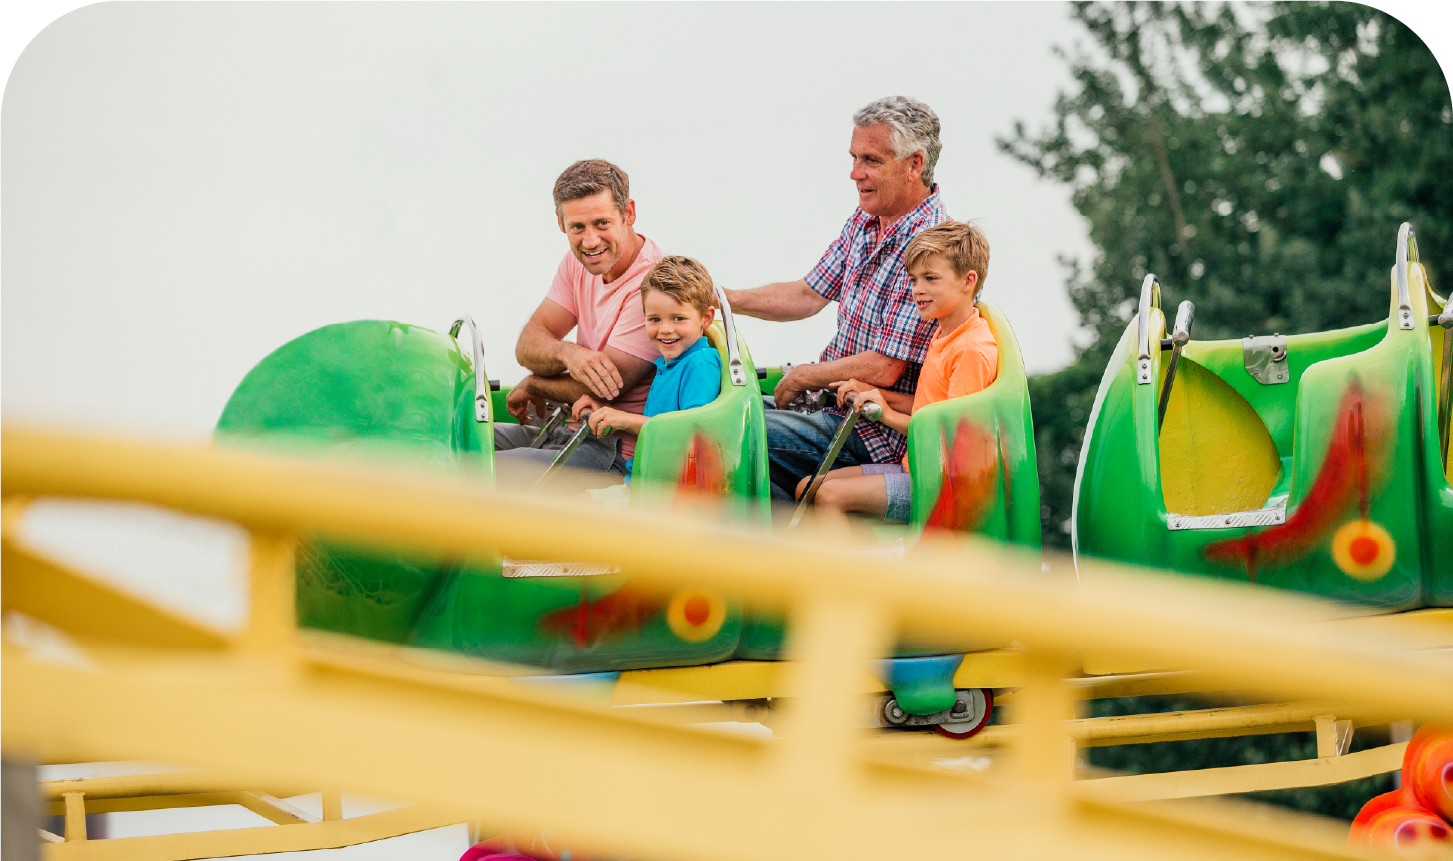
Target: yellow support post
x=332 y=805
x=75 y=816
x=272 y=616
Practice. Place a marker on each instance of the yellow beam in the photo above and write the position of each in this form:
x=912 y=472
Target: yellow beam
x=67 y=599
x=634 y=786
x=1249 y=778
x=254 y=841
x=941 y=591
x=161 y=783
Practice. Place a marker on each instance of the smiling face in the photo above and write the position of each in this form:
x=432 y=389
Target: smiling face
x=939 y=293
x=888 y=187
x=672 y=326
x=601 y=237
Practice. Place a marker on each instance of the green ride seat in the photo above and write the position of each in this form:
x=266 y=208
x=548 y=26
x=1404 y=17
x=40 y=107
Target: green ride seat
x=972 y=460
x=1322 y=476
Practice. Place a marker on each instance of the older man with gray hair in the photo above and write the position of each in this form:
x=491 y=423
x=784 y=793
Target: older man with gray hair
x=880 y=338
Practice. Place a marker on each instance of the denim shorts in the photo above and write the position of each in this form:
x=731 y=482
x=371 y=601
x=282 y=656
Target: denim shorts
x=900 y=490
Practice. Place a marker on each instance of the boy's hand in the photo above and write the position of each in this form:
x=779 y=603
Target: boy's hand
x=870 y=396
x=852 y=387
x=586 y=403
x=600 y=419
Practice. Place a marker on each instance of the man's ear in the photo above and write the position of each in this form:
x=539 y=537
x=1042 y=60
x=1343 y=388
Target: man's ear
x=630 y=213
x=915 y=166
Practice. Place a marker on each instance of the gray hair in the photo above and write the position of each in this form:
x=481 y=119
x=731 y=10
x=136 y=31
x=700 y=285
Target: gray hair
x=915 y=129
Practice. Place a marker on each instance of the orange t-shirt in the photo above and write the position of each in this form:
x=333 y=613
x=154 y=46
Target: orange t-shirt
x=962 y=362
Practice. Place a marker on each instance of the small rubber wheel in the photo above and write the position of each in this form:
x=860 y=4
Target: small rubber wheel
x=976 y=723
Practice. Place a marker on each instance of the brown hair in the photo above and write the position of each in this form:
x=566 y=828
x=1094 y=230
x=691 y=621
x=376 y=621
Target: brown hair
x=683 y=279
x=590 y=177
x=962 y=244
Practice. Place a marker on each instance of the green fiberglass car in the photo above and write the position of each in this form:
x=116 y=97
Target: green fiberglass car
x=406 y=391
x=1316 y=463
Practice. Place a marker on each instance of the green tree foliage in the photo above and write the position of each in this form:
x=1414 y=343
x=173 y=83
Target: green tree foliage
x=1258 y=161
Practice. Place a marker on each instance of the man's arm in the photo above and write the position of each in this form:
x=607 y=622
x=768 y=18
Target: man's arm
x=543 y=349
x=781 y=302
x=873 y=368
x=565 y=389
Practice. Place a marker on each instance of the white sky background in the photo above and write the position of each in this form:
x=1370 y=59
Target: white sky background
x=185 y=187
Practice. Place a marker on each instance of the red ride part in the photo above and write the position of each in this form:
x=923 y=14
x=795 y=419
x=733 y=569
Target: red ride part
x=1393 y=821
x=1428 y=769
x=978 y=725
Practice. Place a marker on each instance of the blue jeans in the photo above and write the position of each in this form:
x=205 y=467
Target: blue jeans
x=796 y=443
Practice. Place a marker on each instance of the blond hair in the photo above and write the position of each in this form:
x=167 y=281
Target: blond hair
x=962 y=244
x=684 y=280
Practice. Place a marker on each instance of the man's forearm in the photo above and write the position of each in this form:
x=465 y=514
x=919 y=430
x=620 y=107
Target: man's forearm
x=873 y=368
x=561 y=389
x=781 y=302
x=541 y=352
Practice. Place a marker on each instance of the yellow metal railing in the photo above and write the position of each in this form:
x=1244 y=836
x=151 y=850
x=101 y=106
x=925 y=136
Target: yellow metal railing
x=278 y=706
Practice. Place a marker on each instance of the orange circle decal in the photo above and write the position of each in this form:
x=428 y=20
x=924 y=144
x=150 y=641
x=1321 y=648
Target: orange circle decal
x=1363 y=550
x=695 y=614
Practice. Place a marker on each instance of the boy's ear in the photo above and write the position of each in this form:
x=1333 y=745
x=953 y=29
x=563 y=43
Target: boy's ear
x=971 y=281
x=708 y=317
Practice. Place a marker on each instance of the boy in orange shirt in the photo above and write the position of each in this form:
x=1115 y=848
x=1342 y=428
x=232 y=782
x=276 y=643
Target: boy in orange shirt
x=946 y=266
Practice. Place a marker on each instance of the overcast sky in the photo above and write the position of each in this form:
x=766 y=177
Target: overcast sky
x=184 y=187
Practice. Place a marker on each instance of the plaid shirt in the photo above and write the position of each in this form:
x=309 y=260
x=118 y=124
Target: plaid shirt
x=866 y=277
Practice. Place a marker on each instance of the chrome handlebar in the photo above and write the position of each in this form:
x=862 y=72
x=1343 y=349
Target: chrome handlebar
x=1149 y=298
x=735 y=367
x=483 y=407
x=1407 y=252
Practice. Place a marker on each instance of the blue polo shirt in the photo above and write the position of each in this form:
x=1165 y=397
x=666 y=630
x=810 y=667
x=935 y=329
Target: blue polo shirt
x=690 y=380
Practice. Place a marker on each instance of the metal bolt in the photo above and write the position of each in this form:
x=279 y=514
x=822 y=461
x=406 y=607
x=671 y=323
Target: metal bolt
x=896 y=712
x=960 y=707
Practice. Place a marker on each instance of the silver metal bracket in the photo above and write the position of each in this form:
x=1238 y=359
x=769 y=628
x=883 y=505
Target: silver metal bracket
x=968 y=709
x=1272 y=515
x=1266 y=359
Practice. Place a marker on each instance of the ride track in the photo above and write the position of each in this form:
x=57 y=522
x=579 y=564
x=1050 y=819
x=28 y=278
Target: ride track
x=273 y=709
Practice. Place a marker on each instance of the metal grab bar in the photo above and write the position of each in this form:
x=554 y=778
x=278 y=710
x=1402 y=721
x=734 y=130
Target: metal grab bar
x=558 y=462
x=872 y=412
x=1149 y=298
x=1407 y=242
x=483 y=407
x=735 y=367
x=1185 y=315
x=1445 y=391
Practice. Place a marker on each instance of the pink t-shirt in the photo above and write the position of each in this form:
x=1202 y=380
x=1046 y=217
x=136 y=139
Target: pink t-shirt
x=610 y=315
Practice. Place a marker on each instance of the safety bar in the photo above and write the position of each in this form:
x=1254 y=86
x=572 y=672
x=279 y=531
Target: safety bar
x=1407 y=252
x=872 y=412
x=734 y=354
x=1180 y=336
x=558 y=462
x=1149 y=298
x=483 y=385
x=1445 y=392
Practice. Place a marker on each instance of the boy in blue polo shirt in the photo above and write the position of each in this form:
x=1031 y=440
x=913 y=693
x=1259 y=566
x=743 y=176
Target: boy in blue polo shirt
x=680 y=304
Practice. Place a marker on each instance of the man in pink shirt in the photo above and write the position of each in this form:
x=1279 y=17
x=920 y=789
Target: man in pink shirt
x=597 y=292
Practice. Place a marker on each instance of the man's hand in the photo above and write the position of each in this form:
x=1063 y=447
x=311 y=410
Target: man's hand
x=595 y=371
x=792 y=384
x=520 y=400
